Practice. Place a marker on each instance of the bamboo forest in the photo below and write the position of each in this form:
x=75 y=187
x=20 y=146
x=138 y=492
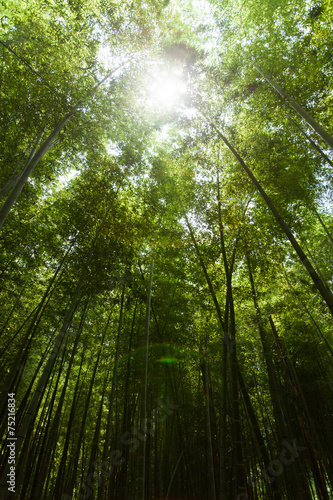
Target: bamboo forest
x=166 y=249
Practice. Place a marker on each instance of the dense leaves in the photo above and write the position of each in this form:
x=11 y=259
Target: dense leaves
x=102 y=179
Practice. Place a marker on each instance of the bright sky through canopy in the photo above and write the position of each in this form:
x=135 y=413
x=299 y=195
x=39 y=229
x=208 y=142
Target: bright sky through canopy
x=166 y=89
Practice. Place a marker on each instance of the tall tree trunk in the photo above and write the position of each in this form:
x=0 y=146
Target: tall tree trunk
x=126 y=420
x=283 y=426
x=238 y=486
x=302 y=420
x=106 y=447
x=328 y=234
x=324 y=292
x=63 y=475
x=52 y=436
x=6 y=322
x=15 y=177
x=91 y=478
x=308 y=138
x=36 y=453
x=25 y=428
x=223 y=425
x=224 y=374
x=302 y=113
x=15 y=373
x=142 y=452
x=85 y=489
x=210 y=285
x=49 y=142
x=29 y=167
x=239 y=483
x=213 y=467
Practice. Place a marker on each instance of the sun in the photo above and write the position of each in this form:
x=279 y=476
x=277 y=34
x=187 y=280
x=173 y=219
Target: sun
x=166 y=90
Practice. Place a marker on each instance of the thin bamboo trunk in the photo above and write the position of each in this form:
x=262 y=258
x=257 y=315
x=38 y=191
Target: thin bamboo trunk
x=29 y=167
x=62 y=479
x=16 y=176
x=294 y=104
x=238 y=485
x=91 y=477
x=142 y=457
x=24 y=429
x=51 y=441
x=106 y=447
x=17 y=368
x=223 y=426
x=324 y=292
x=224 y=374
x=328 y=234
x=122 y=477
x=23 y=406
x=308 y=138
x=213 y=468
x=283 y=426
x=314 y=261
x=49 y=142
x=239 y=478
x=5 y=324
x=84 y=489
x=303 y=492
x=37 y=451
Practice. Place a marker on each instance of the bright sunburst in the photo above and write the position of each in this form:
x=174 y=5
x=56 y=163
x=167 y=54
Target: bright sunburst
x=166 y=90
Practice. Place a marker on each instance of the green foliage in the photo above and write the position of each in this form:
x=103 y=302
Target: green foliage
x=123 y=184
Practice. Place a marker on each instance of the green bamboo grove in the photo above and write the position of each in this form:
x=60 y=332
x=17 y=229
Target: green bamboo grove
x=166 y=250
